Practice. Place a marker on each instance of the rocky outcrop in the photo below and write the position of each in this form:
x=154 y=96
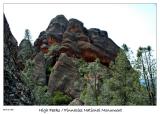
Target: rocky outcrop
x=107 y=49
x=71 y=38
x=66 y=67
x=65 y=77
x=15 y=92
x=52 y=35
x=57 y=25
x=39 y=69
x=76 y=102
x=76 y=41
x=89 y=45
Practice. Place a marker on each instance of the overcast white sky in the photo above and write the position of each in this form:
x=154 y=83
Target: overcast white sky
x=132 y=24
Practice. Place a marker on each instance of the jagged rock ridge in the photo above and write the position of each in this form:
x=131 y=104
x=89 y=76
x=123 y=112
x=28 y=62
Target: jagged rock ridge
x=15 y=92
x=77 y=41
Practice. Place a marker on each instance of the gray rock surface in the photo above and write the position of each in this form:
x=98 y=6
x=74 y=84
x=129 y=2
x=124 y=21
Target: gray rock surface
x=76 y=102
x=15 y=92
x=65 y=77
x=39 y=69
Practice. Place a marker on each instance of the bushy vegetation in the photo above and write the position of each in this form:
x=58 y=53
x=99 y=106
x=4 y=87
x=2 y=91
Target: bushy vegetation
x=116 y=85
x=54 y=48
x=60 y=99
x=27 y=74
x=82 y=66
x=40 y=93
x=49 y=69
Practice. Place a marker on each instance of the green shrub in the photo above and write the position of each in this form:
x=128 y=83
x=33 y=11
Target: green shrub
x=82 y=66
x=60 y=99
x=48 y=70
x=54 y=48
x=40 y=94
x=42 y=97
x=26 y=74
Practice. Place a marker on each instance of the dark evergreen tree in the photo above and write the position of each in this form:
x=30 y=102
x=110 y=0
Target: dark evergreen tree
x=27 y=34
x=124 y=83
x=25 y=49
x=117 y=85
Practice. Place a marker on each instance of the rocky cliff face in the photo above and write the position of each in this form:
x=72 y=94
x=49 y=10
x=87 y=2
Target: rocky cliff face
x=65 y=77
x=60 y=46
x=15 y=93
x=52 y=35
x=59 y=70
x=77 y=41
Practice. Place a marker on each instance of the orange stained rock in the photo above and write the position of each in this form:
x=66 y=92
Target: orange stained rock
x=88 y=55
x=44 y=50
x=52 y=41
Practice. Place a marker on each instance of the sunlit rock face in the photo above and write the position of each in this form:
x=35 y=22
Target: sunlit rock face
x=77 y=41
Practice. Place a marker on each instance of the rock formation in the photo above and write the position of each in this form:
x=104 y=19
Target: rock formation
x=61 y=43
x=77 y=41
x=54 y=62
x=65 y=77
x=76 y=102
x=15 y=92
x=53 y=33
x=39 y=70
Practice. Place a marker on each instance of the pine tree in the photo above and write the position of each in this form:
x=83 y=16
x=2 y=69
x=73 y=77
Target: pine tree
x=27 y=34
x=129 y=54
x=117 y=85
x=25 y=47
x=147 y=66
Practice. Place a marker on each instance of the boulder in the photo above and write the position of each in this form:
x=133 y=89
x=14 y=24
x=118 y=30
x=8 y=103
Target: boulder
x=75 y=26
x=76 y=102
x=42 y=38
x=57 y=24
x=39 y=70
x=53 y=34
x=56 y=28
x=65 y=77
x=100 y=40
